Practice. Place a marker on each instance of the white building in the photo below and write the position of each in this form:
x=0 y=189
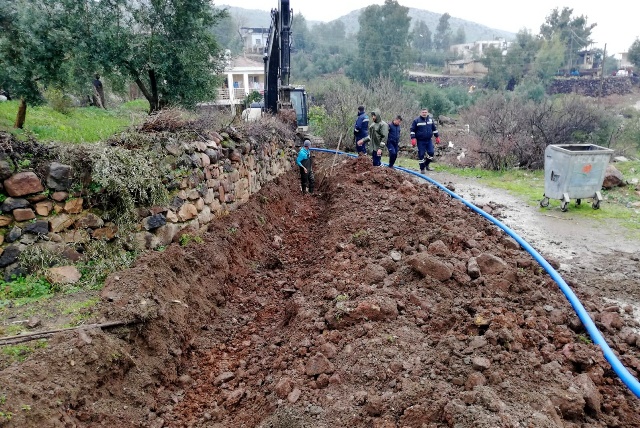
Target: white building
x=243 y=76
x=477 y=49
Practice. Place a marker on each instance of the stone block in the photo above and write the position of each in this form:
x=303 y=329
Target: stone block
x=11 y=204
x=59 y=177
x=59 y=196
x=40 y=227
x=60 y=223
x=23 y=183
x=63 y=275
x=23 y=214
x=73 y=206
x=44 y=208
x=89 y=220
x=5 y=220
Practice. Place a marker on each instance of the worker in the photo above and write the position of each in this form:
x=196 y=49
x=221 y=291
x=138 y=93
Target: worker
x=423 y=129
x=394 y=140
x=304 y=162
x=361 y=131
x=378 y=135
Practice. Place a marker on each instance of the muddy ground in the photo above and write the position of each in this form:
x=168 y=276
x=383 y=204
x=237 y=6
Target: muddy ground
x=380 y=302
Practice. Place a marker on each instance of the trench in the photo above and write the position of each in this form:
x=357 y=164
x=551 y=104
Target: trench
x=355 y=307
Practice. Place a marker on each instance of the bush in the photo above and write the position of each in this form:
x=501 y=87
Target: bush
x=513 y=130
x=59 y=101
x=36 y=259
x=436 y=100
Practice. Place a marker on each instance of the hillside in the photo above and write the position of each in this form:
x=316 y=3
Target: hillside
x=473 y=30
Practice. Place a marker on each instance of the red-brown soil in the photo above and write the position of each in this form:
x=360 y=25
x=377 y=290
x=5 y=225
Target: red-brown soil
x=352 y=308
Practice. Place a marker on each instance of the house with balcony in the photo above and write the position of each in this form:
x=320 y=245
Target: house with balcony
x=242 y=76
x=254 y=39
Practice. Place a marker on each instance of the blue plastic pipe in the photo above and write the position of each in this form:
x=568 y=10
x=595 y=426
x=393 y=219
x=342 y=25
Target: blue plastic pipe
x=597 y=338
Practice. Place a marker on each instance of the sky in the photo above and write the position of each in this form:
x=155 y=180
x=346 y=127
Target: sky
x=617 y=21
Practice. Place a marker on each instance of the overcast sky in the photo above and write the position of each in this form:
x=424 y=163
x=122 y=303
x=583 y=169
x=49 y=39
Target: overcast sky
x=617 y=20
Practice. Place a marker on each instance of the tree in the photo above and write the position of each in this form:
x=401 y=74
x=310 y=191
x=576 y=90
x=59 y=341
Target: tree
x=301 y=38
x=383 y=41
x=634 y=53
x=443 y=36
x=549 y=59
x=460 y=36
x=574 y=33
x=421 y=37
x=164 y=46
x=507 y=69
x=226 y=33
x=33 y=47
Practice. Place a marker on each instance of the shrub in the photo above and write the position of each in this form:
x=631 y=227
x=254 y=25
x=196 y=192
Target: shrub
x=101 y=259
x=127 y=178
x=59 y=101
x=513 y=130
x=36 y=258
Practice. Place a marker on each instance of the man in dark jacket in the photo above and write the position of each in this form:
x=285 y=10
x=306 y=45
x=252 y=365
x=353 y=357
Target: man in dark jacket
x=423 y=129
x=361 y=131
x=394 y=140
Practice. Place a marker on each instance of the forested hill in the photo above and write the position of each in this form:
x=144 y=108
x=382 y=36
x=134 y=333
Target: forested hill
x=472 y=30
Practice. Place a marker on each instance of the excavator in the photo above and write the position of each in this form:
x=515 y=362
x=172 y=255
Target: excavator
x=280 y=97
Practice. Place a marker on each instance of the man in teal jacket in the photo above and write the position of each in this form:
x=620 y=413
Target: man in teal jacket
x=304 y=162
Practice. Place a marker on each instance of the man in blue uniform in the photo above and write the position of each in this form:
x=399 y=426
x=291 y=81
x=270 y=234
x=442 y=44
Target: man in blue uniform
x=393 y=140
x=361 y=131
x=423 y=129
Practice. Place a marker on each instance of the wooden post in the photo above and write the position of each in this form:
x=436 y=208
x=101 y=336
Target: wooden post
x=604 y=57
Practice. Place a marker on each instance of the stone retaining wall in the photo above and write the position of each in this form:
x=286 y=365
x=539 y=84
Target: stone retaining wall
x=42 y=209
x=587 y=86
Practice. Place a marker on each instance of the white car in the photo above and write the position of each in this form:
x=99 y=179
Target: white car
x=622 y=73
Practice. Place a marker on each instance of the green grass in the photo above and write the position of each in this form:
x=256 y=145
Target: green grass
x=21 y=352
x=29 y=287
x=83 y=124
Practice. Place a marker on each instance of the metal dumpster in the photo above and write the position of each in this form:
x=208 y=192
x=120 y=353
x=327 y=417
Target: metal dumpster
x=574 y=171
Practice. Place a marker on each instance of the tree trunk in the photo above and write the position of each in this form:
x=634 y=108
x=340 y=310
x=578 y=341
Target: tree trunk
x=146 y=94
x=154 y=90
x=150 y=95
x=22 y=114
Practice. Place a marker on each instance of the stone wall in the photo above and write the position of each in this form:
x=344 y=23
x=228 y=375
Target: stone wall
x=587 y=86
x=220 y=172
x=593 y=87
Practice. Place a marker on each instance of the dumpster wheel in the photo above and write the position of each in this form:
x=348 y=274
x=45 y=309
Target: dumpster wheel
x=578 y=201
x=596 y=204
x=565 y=206
x=544 y=202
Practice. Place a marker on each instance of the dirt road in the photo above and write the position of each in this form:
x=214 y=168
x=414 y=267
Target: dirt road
x=601 y=256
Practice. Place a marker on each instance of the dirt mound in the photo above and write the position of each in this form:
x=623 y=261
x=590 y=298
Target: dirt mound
x=381 y=302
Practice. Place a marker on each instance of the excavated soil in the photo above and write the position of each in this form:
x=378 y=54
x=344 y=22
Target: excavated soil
x=381 y=302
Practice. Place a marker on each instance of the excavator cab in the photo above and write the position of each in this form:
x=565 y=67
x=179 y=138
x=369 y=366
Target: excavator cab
x=298 y=98
x=279 y=94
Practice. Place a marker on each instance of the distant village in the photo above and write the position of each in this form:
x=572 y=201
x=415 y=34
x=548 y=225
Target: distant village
x=245 y=73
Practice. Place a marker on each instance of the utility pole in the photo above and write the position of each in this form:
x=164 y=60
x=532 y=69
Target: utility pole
x=604 y=57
